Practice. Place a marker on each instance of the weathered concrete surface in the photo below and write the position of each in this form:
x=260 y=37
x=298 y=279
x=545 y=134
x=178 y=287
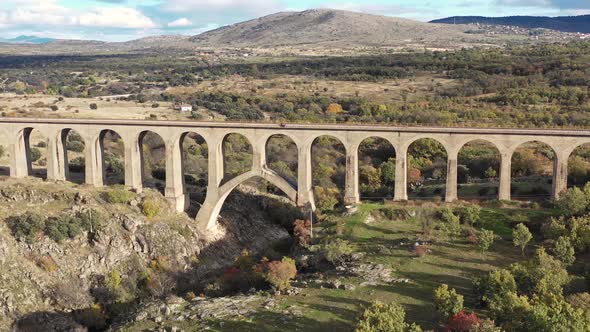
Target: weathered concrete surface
x=17 y=131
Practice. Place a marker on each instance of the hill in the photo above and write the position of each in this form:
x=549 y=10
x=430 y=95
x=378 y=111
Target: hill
x=330 y=28
x=562 y=23
x=26 y=40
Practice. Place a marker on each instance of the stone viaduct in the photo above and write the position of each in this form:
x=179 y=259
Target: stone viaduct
x=17 y=132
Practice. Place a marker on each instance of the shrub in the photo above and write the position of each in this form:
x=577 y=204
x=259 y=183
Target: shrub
x=485 y=240
x=421 y=250
x=573 y=202
x=159 y=173
x=450 y=223
x=27 y=227
x=62 y=227
x=564 y=250
x=155 y=105
x=150 y=207
x=470 y=214
x=34 y=154
x=393 y=213
x=2 y=151
x=463 y=322
x=380 y=317
x=521 y=236
x=335 y=250
x=54 y=108
x=75 y=146
x=447 y=302
x=302 y=231
x=119 y=196
x=280 y=273
x=496 y=284
x=580 y=301
x=93 y=106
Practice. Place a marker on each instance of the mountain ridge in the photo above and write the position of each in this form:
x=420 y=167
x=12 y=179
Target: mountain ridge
x=570 y=24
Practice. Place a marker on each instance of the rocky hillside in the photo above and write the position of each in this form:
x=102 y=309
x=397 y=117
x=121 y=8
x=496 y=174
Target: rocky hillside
x=53 y=283
x=332 y=28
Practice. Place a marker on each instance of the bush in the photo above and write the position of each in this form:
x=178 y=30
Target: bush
x=450 y=223
x=54 y=108
x=34 y=154
x=119 y=196
x=75 y=146
x=2 y=151
x=447 y=302
x=302 y=231
x=27 y=227
x=93 y=106
x=393 y=213
x=574 y=201
x=62 y=227
x=470 y=214
x=380 y=317
x=335 y=250
x=485 y=239
x=564 y=251
x=159 y=174
x=521 y=236
x=150 y=207
x=463 y=322
x=279 y=273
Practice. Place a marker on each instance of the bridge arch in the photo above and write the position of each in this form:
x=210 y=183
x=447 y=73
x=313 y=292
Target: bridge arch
x=377 y=166
x=578 y=162
x=281 y=155
x=194 y=157
x=110 y=150
x=238 y=155
x=207 y=217
x=533 y=164
x=478 y=170
x=427 y=159
x=329 y=171
x=31 y=145
x=71 y=152
x=152 y=150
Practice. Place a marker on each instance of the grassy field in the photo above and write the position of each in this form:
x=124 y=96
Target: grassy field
x=454 y=263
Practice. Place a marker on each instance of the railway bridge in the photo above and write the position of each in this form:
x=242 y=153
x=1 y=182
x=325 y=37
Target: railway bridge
x=17 y=131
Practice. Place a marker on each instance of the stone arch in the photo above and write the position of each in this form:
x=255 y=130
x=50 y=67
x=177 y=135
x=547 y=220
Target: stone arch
x=578 y=162
x=238 y=155
x=194 y=154
x=281 y=155
x=32 y=144
x=376 y=168
x=427 y=159
x=532 y=170
x=328 y=166
x=71 y=151
x=110 y=149
x=207 y=216
x=152 y=150
x=478 y=169
x=5 y=153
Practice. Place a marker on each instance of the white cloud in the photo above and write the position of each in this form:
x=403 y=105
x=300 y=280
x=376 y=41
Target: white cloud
x=248 y=6
x=50 y=13
x=181 y=22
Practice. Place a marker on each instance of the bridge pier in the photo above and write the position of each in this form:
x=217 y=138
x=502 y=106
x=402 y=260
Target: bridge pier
x=175 y=186
x=401 y=176
x=134 y=167
x=505 y=176
x=559 y=175
x=451 y=186
x=304 y=177
x=351 y=190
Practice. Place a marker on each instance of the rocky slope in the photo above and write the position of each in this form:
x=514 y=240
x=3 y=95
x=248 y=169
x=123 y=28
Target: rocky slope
x=331 y=28
x=42 y=280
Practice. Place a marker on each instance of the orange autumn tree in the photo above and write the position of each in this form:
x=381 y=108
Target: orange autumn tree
x=334 y=108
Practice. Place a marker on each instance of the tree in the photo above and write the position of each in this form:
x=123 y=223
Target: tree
x=380 y=317
x=93 y=106
x=302 y=231
x=279 y=273
x=564 y=250
x=450 y=223
x=334 y=109
x=521 y=236
x=485 y=239
x=35 y=154
x=447 y=302
x=388 y=172
x=463 y=322
x=335 y=250
x=573 y=202
x=471 y=214
x=490 y=173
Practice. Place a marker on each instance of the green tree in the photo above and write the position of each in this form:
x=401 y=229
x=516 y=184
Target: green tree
x=35 y=154
x=573 y=202
x=380 y=317
x=447 y=302
x=564 y=250
x=450 y=223
x=521 y=236
x=388 y=172
x=485 y=239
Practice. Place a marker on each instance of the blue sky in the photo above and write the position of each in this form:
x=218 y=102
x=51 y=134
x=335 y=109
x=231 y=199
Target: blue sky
x=120 y=20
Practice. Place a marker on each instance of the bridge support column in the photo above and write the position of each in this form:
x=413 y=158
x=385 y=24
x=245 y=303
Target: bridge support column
x=20 y=164
x=351 y=191
x=133 y=164
x=451 y=187
x=559 y=175
x=215 y=176
x=401 y=177
x=175 y=188
x=57 y=157
x=304 y=177
x=505 y=176
x=93 y=156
